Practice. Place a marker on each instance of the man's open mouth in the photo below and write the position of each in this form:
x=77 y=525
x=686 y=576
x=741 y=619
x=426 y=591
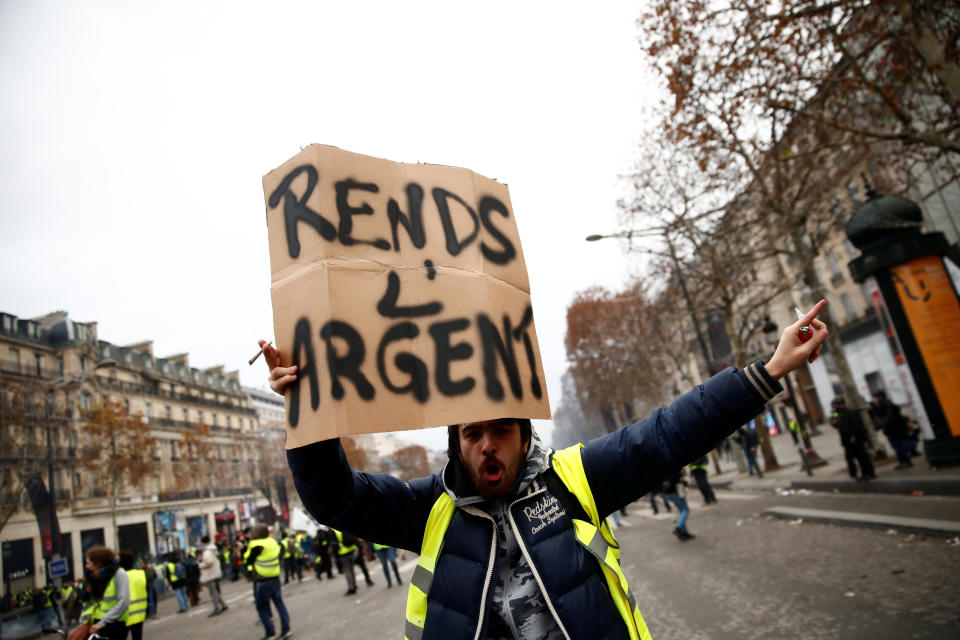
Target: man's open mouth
x=492 y=472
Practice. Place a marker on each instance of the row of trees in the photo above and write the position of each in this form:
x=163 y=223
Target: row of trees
x=772 y=111
x=410 y=462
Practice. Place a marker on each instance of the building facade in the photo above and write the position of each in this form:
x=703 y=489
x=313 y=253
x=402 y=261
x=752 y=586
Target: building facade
x=204 y=475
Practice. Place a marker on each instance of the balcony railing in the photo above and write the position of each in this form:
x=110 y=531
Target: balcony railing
x=144 y=389
x=221 y=492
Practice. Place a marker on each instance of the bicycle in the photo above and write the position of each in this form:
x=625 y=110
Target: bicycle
x=63 y=633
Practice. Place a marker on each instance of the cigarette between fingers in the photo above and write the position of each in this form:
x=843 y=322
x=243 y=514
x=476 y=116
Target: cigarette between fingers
x=258 y=353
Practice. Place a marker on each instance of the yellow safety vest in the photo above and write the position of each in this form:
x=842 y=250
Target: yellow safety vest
x=107 y=602
x=595 y=536
x=267 y=564
x=137 y=611
x=341 y=549
x=172 y=574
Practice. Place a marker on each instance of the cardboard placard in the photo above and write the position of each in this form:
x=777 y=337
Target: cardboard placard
x=401 y=293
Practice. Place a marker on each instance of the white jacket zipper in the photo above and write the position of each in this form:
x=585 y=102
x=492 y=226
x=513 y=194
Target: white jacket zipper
x=490 y=564
x=533 y=567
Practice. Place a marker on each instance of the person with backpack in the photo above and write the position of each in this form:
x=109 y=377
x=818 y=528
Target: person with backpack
x=177 y=578
x=193 y=577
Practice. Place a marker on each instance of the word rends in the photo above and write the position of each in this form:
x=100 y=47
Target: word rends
x=496 y=346
x=295 y=210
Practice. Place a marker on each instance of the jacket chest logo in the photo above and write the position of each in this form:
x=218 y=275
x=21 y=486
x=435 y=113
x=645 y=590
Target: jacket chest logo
x=543 y=513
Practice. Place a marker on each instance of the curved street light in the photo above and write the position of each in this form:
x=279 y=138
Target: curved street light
x=651 y=233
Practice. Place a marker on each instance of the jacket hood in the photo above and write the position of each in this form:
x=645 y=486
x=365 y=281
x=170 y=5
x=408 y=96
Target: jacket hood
x=459 y=486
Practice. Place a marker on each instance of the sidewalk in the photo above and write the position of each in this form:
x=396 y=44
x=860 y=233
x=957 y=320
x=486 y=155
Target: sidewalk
x=833 y=477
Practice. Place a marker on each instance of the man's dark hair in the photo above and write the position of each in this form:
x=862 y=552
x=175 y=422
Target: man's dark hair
x=126 y=560
x=453 y=436
x=205 y=539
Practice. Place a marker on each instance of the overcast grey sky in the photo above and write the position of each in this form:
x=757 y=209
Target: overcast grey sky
x=135 y=135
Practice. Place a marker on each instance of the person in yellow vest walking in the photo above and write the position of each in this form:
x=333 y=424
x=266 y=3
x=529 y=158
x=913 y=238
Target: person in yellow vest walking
x=387 y=555
x=177 y=577
x=698 y=469
x=109 y=594
x=137 y=611
x=346 y=558
x=262 y=559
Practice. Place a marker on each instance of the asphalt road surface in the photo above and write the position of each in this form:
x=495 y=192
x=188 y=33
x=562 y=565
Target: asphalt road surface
x=744 y=576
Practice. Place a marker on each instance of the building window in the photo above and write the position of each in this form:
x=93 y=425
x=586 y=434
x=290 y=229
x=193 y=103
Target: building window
x=169 y=412
x=83 y=363
x=214 y=419
x=38 y=361
x=848 y=307
x=149 y=411
x=14 y=360
x=199 y=416
x=228 y=422
x=186 y=416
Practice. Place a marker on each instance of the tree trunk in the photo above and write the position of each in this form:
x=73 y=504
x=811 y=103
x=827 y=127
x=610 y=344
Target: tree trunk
x=113 y=514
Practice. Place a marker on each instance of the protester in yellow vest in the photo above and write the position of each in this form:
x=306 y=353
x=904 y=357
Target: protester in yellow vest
x=291 y=561
x=508 y=527
x=346 y=558
x=137 y=611
x=262 y=559
x=109 y=588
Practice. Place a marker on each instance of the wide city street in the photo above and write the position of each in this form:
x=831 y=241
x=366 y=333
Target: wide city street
x=745 y=575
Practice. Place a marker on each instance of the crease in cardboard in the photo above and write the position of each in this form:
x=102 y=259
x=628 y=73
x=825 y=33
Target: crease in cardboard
x=292 y=273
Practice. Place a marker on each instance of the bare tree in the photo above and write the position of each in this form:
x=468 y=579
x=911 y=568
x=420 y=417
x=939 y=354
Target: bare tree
x=785 y=102
x=857 y=70
x=611 y=357
x=356 y=456
x=25 y=413
x=124 y=447
x=411 y=462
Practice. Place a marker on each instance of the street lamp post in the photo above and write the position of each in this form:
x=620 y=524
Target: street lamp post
x=809 y=458
x=680 y=279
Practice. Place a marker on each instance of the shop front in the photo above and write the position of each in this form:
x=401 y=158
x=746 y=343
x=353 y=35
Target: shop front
x=170 y=531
